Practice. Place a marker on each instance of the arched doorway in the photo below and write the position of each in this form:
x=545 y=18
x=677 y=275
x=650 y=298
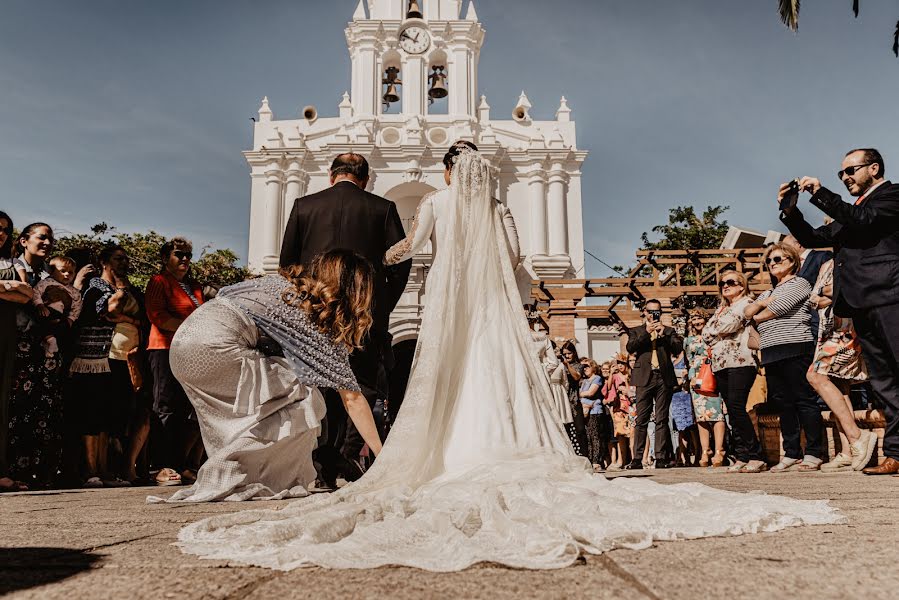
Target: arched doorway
x=407 y=197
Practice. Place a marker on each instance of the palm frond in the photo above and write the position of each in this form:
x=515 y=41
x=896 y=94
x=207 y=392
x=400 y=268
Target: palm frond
x=789 y=13
x=855 y=8
x=896 y=40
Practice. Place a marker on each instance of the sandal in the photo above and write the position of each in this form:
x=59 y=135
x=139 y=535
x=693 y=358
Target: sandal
x=719 y=459
x=167 y=477
x=754 y=466
x=807 y=466
x=786 y=464
x=737 y=467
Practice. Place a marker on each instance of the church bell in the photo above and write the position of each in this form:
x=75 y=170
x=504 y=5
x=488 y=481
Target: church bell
x=414 y=10
x=438 y=84
x=391 y=81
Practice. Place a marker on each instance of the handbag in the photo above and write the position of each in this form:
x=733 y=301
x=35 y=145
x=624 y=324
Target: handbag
x=134 y=362
x=754 y=342
x=705 y=383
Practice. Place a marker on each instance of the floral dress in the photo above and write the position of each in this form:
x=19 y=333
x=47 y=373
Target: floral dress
x=7 y=358
x=35 y=408
x=838 y=353
x=707 y=409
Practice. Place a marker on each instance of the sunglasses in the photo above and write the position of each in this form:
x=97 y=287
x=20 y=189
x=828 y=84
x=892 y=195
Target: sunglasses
x=776 y=260
x=181 y=255
x=851 y=170
x=729 y=283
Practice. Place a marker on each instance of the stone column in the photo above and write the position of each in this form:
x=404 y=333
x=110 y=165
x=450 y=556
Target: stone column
x=537 y=201
x=294 y=187
x=557 y=211
x=273 y=211
x=414 y=88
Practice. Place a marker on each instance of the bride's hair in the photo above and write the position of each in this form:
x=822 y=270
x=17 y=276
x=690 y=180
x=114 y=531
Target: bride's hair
x=335 y=291
x=455 y=150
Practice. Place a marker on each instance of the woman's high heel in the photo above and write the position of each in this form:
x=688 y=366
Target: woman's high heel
x=719 y=459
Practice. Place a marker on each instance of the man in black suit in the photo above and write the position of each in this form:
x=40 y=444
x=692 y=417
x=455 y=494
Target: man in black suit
x=865 y=236
x=346 y=216
x=654 y=345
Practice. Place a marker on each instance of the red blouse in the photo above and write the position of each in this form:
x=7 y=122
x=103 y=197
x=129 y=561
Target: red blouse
x=165 y=299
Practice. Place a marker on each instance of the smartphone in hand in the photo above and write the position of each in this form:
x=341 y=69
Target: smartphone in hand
x=791 y=197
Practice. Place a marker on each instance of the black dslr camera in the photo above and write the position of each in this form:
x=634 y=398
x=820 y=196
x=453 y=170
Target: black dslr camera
x=655 y=315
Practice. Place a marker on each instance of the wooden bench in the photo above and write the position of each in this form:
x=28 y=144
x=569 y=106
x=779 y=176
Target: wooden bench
x=768 y=427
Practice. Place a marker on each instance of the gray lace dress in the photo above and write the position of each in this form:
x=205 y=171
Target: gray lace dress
x=251 y=365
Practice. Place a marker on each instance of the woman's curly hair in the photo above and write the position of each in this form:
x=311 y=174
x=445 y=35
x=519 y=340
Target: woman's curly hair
x=335 y=291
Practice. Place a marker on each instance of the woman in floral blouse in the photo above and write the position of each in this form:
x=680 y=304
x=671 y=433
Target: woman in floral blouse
x=734 y=365
x=708 y=410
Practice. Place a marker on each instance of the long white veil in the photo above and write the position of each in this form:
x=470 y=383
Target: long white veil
x=526 y=500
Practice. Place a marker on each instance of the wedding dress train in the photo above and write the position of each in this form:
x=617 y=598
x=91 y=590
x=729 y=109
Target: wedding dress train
x=478 y=466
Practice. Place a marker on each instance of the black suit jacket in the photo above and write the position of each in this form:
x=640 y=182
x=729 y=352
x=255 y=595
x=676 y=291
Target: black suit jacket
x=668 y=345
x=810 y=270
x=866 y=240
x=345 y=216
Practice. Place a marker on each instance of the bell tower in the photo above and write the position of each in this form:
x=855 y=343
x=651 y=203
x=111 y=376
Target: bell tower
x=406 y=54
x=413 y=91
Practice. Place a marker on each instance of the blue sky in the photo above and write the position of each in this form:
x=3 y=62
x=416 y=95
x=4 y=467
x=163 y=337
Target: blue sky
x=135 y=113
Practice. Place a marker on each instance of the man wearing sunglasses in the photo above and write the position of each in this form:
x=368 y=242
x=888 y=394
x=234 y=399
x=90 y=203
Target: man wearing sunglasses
x=654 y=345
x=865 y=237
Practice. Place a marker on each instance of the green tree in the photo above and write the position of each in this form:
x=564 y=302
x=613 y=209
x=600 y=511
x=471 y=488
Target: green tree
x=687 y=231
x=789 y=14
x=214 y=267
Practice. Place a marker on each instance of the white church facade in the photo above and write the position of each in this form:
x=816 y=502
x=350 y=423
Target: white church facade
x=405 y=55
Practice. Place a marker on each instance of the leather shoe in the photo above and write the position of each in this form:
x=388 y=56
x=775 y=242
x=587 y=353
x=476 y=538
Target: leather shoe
x=888 y=467
x=664 y=464
x=634 y=466
x=349 y=469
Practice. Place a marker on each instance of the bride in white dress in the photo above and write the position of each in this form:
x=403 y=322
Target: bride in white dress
x=478 y=466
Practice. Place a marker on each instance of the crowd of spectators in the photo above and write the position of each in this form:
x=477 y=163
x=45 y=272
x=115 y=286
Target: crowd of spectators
x=87 y=398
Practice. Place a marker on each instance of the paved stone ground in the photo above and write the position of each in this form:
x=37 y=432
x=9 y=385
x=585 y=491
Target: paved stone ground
x=109 y=544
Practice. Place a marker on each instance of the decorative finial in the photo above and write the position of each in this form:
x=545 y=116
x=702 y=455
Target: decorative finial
x=523 y=100
x=472 y=14
x=345 y=108
x=564 y=113
x=359 y=13
x=483 y=110
x=265 y=112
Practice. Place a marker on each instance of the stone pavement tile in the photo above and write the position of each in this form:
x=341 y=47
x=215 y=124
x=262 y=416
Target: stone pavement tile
x=147 y=583
x=787 y=564
x=78 y=535
x=110 y=543
x=598 y=579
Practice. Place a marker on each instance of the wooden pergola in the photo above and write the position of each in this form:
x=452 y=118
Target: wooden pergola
x=674 y=277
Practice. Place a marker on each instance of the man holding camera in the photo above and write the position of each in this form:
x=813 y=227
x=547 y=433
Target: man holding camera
x=654 y=345
x=865 y=237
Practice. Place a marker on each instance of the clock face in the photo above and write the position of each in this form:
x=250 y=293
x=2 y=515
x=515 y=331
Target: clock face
x=415 y=39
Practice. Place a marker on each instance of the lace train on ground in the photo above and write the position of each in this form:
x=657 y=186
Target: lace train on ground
x=478 y=466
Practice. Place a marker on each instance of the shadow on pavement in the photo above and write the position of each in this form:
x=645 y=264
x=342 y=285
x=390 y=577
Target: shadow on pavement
x=24 y=568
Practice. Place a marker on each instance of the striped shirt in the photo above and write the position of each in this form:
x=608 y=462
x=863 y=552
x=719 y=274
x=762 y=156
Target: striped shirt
x=789 y=301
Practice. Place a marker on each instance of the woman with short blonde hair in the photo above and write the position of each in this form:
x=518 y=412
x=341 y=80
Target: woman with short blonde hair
x=783 y=317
